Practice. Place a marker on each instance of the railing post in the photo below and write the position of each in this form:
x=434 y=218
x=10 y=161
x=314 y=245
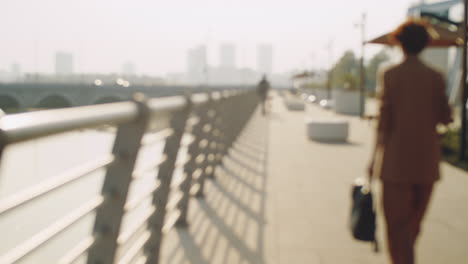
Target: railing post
x=235 y=111
x=250 y=104
x=208 y=152
x=2 y=145
x=251 y=100
x=223 y=128
x=3 y=140
x=215 y=146
x=192 y=166
x=165 y=173
x=243 y=115
x=238 y=111
x=116 y=185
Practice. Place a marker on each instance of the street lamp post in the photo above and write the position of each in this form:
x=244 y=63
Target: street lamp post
x=463 y=86
x=330 y=71
x=362 y=78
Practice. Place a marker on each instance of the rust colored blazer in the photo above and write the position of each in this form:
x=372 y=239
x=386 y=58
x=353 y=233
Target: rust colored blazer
x=413 y=102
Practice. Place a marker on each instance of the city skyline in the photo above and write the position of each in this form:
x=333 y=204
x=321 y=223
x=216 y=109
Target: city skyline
x=196 y=59
x=225 y=69
x=155 y=36
x=197 y=71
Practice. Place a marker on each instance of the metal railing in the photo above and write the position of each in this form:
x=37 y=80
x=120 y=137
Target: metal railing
x=210 y=121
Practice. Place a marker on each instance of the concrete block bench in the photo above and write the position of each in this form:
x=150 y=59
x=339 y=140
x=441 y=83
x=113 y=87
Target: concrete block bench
x=330 y=130
x=294 y=104
x=347 y=102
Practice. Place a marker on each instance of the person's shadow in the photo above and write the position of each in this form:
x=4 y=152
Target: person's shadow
x=228 y=225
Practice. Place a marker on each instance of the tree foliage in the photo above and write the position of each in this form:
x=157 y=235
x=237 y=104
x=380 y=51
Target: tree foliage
x=346 y=72
x=372 y=69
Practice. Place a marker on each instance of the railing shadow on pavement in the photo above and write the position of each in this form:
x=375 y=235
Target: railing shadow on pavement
x=228 y=225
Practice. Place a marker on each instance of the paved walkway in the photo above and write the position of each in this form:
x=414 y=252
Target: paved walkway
x=281 y=198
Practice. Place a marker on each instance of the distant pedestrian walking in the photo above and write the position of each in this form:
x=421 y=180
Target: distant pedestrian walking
x=262 y=89
x=407 y=150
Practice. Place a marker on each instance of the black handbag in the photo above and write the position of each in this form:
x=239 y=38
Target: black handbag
x=363 y=219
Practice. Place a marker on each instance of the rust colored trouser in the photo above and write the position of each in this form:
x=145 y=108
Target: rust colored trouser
x=404 y=206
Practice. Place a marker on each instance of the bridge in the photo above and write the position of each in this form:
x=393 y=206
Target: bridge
x=200 y=179
x=21 y=96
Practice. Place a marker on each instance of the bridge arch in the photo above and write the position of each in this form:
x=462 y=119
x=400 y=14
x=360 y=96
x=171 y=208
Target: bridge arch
x=108 y=99
x=9 y=103
x=54 y=101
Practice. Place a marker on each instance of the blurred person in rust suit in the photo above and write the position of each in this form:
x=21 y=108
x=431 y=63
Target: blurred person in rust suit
x=407 y=150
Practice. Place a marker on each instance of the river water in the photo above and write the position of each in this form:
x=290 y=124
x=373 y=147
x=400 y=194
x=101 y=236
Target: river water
x=30 y=163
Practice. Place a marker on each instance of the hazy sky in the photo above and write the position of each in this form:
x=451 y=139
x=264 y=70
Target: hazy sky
x=156 y=34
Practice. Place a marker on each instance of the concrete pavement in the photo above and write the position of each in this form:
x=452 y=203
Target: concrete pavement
x=280 y=198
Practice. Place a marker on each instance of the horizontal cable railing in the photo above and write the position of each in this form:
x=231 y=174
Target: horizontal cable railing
x=194 y=132
x=156 y=138
x=132 y=204
x=140 y=173
x=48 y=186
x=79 y=250
x=51 y=231
x=132 y=230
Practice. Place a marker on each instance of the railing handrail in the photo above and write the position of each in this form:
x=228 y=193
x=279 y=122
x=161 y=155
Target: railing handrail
x=27 y=126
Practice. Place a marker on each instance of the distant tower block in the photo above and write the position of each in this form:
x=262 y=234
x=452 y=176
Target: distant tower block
x=197 y=64
x=129 y=69
x=63 y=63
x=265 y=59
x=227 y=56
x=16 y=72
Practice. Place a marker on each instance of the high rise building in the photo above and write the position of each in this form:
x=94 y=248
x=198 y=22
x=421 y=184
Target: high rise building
x=197 y=66
x=63 y=63
x=265 y=59
x=227 y=56
x=15 y=70
x=129 y=69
